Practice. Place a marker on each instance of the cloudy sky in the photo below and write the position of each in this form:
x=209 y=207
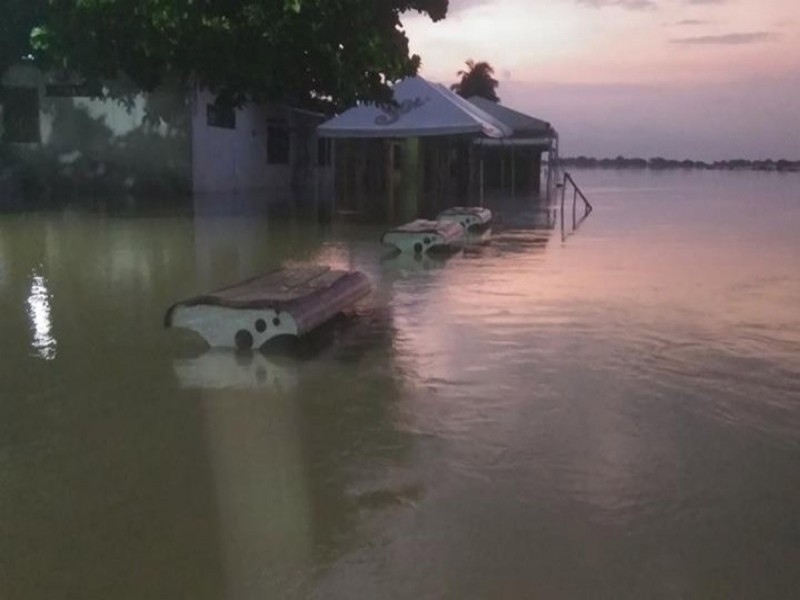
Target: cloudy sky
x=703 y=79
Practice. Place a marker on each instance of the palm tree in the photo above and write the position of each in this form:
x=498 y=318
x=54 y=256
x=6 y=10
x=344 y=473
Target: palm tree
x=477 y=80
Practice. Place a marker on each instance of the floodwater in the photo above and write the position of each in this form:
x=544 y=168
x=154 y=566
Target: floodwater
x=614 y=413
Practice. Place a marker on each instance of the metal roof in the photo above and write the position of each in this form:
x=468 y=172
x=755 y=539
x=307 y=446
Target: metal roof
x=422 y=109
x=522 y=125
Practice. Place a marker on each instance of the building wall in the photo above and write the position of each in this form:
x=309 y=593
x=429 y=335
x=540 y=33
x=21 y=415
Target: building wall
x=232 y=159
x=234 y=153
x=74 y=144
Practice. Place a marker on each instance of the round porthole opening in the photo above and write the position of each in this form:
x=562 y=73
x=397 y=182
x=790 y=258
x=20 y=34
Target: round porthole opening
x=243 y=339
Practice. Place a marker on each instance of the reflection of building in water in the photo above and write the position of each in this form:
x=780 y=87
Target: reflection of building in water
x=408 y=261
x=228 y=249
x=513 y=213
x=442 y=316
x=3 y=267
x=225 y=369
x=240 y=240
x=261 y=492
x=146 y=473
x=528 y=233
x=293 y=452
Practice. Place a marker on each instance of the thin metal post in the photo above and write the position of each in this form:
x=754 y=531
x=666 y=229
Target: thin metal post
x=563 y=193
x=574 y=204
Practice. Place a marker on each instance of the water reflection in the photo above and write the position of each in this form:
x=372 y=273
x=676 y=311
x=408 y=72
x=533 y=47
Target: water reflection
x=264 y=511
x=224 y=369
x=43 y=342
x=3 y=267
x=302 y=440
x=404 y=261
x=617 y=413
x=302 y=455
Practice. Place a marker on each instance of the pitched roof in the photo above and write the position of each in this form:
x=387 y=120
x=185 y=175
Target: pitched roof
x=423 y=109
x=520 y=123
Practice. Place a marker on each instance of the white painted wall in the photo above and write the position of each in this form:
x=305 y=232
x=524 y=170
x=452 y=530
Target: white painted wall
x=104 y=143
x=93 y=139
x=235 y=160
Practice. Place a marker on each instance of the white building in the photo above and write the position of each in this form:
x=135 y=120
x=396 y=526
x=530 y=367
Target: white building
x=57 y=138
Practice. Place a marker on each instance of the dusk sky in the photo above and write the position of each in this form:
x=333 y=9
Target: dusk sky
x=703 y=79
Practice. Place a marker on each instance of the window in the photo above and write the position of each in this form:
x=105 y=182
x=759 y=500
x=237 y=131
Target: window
x=20 y=115
x=277 y=143
x=220 y=116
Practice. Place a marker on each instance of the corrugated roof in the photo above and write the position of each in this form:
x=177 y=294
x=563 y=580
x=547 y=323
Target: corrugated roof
x=423 y=109
x=520 y=123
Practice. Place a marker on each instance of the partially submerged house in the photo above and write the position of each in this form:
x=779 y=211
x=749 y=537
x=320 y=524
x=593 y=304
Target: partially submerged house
x=58 y=137
x=515 y=162
x=433 y=148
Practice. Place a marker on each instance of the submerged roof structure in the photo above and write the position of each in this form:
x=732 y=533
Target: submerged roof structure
x=422 y=109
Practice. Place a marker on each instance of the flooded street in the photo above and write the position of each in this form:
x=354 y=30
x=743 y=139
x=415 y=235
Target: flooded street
x=613 y=413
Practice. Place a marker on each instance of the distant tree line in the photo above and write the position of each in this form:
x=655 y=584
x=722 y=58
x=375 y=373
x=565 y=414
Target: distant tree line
x=659 y=163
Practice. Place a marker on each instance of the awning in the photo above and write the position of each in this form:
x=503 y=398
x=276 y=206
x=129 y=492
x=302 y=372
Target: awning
x=535 y=142
x=523 y=126
x=423 y=109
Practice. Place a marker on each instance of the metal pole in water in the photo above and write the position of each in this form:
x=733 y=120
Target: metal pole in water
x=563 y=192
x=574 y=203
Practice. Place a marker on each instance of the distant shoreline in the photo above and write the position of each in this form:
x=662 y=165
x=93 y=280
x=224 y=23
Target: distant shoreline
x=660 y=164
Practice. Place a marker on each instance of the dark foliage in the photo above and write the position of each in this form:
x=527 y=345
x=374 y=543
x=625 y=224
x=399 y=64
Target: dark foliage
x=477 y=80
x=311 y=53
x=659 y=163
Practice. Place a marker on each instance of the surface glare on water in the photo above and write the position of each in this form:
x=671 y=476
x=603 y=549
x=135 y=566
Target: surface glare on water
x=613 y=415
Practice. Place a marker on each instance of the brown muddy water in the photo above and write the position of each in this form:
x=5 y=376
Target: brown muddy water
x=611 y=415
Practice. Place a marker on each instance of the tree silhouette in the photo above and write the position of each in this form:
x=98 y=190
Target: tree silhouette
x=305 y=53
x=477 y=80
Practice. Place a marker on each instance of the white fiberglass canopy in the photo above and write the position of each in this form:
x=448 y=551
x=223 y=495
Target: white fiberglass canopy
x=423 y=109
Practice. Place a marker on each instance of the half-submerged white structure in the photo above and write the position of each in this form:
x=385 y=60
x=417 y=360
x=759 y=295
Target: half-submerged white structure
x=291 y=301
x=471 y=218
x=422 y=236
